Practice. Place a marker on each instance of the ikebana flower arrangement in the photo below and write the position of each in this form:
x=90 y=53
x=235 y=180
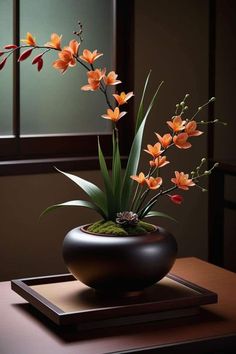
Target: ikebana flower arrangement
x=121 y=252
x=130 y=197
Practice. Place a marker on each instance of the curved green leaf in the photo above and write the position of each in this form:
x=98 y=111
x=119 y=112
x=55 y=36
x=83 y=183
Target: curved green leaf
x=73 y=203
x=134 y=156
x=159 y=214
x=107 y=183
x=116 y=172
x=140 y=114
x=95 y=193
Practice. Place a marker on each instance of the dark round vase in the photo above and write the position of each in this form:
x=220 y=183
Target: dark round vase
x=119 y=264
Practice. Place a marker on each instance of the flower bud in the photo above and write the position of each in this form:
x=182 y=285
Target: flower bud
x=212 y=99
x=182 y=103
x=176 y=198
x=203 y=160
x=216 y=164
x=199 y=108
x=186 y=96
x=204 y=190
x=207 y=173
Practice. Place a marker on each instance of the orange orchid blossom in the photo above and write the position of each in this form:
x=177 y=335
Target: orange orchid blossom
x=165 y=140
x=177 y=124
x=160 y=161
x=123 y=97
x=67 y=56
x=29 y=40
x=113 y=115
x=94 y=78
x=154 y=183
x=55 y=41
x=154 y=150
x=90 y=57
x=191 y=130
x=182 y=181
x=110 y=79
x=141 y=179
x=181 y=142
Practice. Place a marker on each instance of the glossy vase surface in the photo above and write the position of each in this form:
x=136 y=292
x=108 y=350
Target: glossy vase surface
x=111 y=263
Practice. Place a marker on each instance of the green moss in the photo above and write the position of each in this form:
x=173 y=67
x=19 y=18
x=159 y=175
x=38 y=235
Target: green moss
x=107 y=227
x=111 y=228
x=148 y=227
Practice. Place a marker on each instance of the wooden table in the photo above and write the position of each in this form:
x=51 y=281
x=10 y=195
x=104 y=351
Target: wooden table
x=25 y=331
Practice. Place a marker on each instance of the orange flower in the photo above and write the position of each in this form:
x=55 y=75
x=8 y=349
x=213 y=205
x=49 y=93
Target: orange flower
x=181 y=142
x=182 y=181
x=177 y=124
x=90 y=57
x=123 y=97
x=191 y=130
x=29 y=40
x=154 y=150
x=94 y=78
x=165 y=140
x=154 y=183
x=55 y=41
x=140 y=178
x=110 y=79
x=67 y=56
x=113 y=115
x=159 y=162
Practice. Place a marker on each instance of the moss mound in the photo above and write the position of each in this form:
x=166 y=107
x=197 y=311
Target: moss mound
x=111 y=228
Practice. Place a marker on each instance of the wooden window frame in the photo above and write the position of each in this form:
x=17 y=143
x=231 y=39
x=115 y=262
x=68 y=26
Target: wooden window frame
x=27 y=154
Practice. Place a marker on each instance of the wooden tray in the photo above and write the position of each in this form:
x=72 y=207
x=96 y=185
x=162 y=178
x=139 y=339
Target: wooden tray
x=66 y=301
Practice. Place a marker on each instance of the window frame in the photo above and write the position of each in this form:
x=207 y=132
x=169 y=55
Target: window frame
x=27 y=154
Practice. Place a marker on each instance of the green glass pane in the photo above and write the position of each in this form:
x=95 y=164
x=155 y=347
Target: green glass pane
x=6 y=83
x=51 y=102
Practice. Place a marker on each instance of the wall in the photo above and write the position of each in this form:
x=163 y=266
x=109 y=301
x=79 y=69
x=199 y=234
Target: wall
x=171 y=38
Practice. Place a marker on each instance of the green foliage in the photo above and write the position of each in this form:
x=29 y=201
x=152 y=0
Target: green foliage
x=111 y=228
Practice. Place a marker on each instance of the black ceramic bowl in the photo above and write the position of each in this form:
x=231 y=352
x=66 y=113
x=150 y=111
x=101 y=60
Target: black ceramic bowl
x=119 y=263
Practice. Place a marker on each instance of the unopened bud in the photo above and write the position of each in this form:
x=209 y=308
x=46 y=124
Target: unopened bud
x=203 y=160
x=182 y=103
x=199 y=108
x=177 y=105
x=216 y=120
x=185 y=108
x=187 y=95
x=216 y=164
x=204 y=190
x=207 y=173
x=212 y=99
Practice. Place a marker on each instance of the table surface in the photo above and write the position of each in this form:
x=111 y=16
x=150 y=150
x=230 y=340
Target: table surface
x=23 y=330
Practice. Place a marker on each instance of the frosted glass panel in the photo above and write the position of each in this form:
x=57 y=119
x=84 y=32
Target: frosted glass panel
x=52 y=102
x=6 y=84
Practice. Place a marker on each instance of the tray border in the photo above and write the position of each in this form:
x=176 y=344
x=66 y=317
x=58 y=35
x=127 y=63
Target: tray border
x=58 y=316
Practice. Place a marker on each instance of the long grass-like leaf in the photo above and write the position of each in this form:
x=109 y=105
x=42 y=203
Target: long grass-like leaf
x=74 y=203
x=140 y=114
x=159 y=214
x=96 y=194
x=116 y=172
x=107 y=183
x=134 y=156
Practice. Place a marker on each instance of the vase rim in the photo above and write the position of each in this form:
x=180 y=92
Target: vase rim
x=83 y=228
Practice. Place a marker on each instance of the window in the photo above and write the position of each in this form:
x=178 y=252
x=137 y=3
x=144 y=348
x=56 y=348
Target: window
x=44 y=117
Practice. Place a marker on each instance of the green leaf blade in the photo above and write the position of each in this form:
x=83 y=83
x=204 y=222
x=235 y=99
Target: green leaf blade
x=159 y=214
x=107 y=183
x=74 y=203
x=96 y=194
